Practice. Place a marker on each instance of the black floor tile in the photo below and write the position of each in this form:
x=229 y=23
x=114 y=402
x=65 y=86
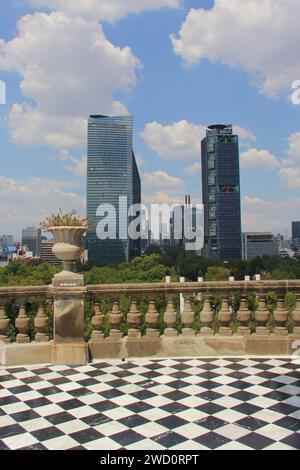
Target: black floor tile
x=256 y=441
x=211 y=440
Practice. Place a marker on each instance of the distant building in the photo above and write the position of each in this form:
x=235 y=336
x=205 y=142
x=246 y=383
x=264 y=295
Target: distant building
x=295 y=233
x=184 y=218
x=295 y=230
x=296 y=244
x=112 y=173
x=259 y=244
x=287 y=253
x=6 y=240
x=32 y=240
x=221 y=193
x=47 y=255
x=145 y=231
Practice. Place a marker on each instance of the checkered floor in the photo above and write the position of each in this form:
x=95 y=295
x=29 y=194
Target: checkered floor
x=186 y=404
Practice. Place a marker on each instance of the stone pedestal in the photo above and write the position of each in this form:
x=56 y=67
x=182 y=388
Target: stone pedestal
x=244 y=331
x=205 y=331
x=225 y=331
x=69 y=346
x=262 y=331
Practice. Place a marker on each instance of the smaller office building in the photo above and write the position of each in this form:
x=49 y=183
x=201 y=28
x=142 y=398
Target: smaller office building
x=259 y=244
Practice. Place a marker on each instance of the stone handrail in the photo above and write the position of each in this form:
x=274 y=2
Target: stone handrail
x=213 y=288
x=113 y=333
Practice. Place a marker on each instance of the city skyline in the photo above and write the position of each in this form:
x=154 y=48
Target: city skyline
x=173 y=96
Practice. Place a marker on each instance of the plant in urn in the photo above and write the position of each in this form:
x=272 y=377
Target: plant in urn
x=67 y=230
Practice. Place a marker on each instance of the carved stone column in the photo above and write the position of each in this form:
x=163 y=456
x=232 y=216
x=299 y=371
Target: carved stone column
x=115 y=320
x=4 y=322
x=244 y=317
x=22 y=322
x=262 y=316
x=134 y=319
x=296 y=316
x=188 y=317
x=281 y=318
x=152 y=320
x=41 y=323
x=206 y=318
x=170 y=318
x=225 y=317
x=97 y=323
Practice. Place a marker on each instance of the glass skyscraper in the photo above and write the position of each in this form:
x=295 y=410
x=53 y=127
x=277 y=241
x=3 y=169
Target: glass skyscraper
x=111 y=173
x=221 y=193
x=295 y=230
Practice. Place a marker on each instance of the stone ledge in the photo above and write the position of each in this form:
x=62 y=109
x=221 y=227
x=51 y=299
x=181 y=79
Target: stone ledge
x=75 y=353
x=26 y=354
x=194 y=346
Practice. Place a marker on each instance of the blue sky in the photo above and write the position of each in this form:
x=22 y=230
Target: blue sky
x=226 y=63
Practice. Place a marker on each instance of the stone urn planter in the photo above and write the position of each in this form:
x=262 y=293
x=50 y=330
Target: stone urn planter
x=68 y=245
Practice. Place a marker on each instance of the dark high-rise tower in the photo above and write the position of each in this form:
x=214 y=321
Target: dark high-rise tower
x=295 y=230
x=111 y=173
x=221 y=193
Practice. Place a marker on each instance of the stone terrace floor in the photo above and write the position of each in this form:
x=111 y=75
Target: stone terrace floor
x=188 y=404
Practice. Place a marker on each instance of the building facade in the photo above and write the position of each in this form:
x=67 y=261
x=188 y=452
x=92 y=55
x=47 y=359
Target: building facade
x=256 y=244
x=295 y=230
x=6 y=240
x=32 y=240
x=47 y=255
x=221 y=193
x=111 y=173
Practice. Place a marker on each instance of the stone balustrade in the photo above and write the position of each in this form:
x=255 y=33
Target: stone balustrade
x=75 y=324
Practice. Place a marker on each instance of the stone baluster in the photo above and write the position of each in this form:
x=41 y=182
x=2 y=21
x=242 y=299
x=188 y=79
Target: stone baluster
x=4 y=322
x=41 y=323
x=206 y=318
x=296 y=316
x=244 y=317
x=22 y=322
x=262 y=316
x=134 y=319
x=280 y=317
x=115 y=320
x=188 y=317
x=152 y=320
x=225 y=317
x=97 y=322
x=170 y=318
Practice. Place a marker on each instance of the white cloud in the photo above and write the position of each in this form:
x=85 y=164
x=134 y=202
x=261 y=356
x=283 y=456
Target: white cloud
x=182 y=140
x=31 y=127
x=140 y=160
x=294 y=147
x=193 y=169
x=28 y=202
x=269 y=215
x=78 y=76
x=105 y=10
x=259 y=159
x=245 y=135
x=162 y=181
x=178 y=141
x=290 y=177
x=259 y=36
x=76 y=166
x=163 y=197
